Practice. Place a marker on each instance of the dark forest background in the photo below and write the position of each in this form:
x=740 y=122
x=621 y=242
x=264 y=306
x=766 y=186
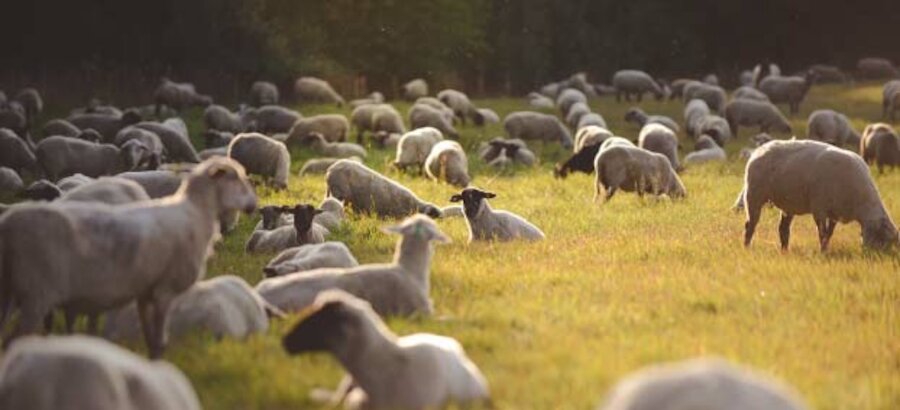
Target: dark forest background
x=88 y=47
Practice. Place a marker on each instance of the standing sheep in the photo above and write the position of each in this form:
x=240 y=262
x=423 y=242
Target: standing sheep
x=528 y=125
x=219 y=118
x=318 y=166
x=713 y=95
x=448 y=162
x=568 y=98
x=178 y=146
x=831 y=127
x=591 y=135
x=790 y=90
x=576 y=111
x=367 y=191
x=540 y=101
x=749 y=93
x=880 y=145
x=876 y=68
x=31 y=99
x=415 y=89
x=634 y=82
x=461 y=105
x=178 y=96
x=309 y=257
x=274 y=119
x=634 y=169
x=694 y=113
x=752 y=113
x=334 y=127
x=590 y=119
x=828 y=74
x=107 y=125
x=315 y=90
x=62 y=156
x=581 y=161
x=262 y=156
x=421 y=115
x=660 y=139
x=486 y=224
x=263 y=93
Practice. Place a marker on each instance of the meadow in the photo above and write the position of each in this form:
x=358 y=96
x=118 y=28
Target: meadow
x=615 y=287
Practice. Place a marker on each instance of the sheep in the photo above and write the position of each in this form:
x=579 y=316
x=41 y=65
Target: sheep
x=157 y=184
x=749 y=93
x=589 y=136
x=752 y=113
x=763 y=71
x=552 y=90
x=716 y=127
x=212 y=153
x=637 y=116
x=489 y=116
x=791 y=90
x=318 y=166
x=590 y=119
x=700 y=384
x=332 y=215
x=832 y=127
x=660 y=139
x=82 y=372
x=178 y=96
x=320 y=146
x=42 y=190
x=10 y=181
x=421 y=115
x=447 y=161
x=581 y=161
x=316 y=90
x=713 y=95
x=461 y=105
x=126 y=243
x=274 y=119
x=302 y=231
x=427 y=371
x=527 y=125
x=438 y=105
x=96 y=106
x=59 y=126
x=156 y=154
x=576 y=111
x=367 y=191
x=677 y=87
x=633 y=169
x=890 y=102
x=695 y=112
x=876 y=68
x=31 y=99
x=375 y=118
x=217 y=139
x=219 y=118
x=373 y=98
x=634 y=82
x=414 y=147
x=746 y=78
x=711 y=79
x=62 y=156
x=15 y=153
x=415 y=89
x=309 y=257
x=705 y=150
x=540 y=101
x=490 y=150
x=486 y=224
x=12 y=116
x=107 y=125
x=178 y=146
x=828 y=74
x=107 y=190
x=811 y=177
x=514 y=151
x=73 y=181
x=399 y=288
x=569 y=97
x=262 y=156
x=263 y=93
x=880 y=145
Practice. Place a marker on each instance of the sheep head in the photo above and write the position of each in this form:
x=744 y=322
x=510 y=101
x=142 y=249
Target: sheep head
x=879 y=234
x=334 y=319
x=303 y=216
x=223 y=183
x=472 y=199
x=420 y=227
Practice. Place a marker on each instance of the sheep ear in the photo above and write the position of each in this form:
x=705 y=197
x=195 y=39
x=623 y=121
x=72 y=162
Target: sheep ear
x=318 y=212
x=489 y=195
x=456 y=198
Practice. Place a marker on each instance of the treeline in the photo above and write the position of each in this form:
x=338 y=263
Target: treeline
x=483 y=46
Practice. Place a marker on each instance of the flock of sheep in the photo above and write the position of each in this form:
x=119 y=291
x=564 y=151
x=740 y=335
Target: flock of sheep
x=123 y=211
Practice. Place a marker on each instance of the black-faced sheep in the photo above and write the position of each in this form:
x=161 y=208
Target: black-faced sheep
x=302 y=231
x=890 y=101
x=487 y=224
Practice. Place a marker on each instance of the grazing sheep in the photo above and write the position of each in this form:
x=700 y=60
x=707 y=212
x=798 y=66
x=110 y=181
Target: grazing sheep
x=381 y=117
x=831 y=127
x=73 y=181
x=263 y=93
x=514 y=151
x=486 y=224
x=713 y=95
x=635 y=82
x=62 y=156
x=321 y=146
x=638 y=117
x=695 y=112
x=461 y=105
x=399 y=288
x=217 y=139
x=224 y=306
x=125 y=243
x=489 y=151
x=752 y=113
x=705 y=150
x=811 y=177
x=149 y=111
x=438 y=105
x=178 y=96
x=489 y=116
x=315 y=90
x=716 y=127
x=552 y=90
x=540 y=101
x=414 y=147
x=711 y=79
x=61 y=127
x=660 y=139
x=107 y=190
x=15 y=153
x=219 y=118
x=568 y=98
x=31 y=99
x=81 y=372
x=590 y=135
x=746 y=78
x=756 y=141
x=178 y=146
x=262 y=156
x=367 y=191
x=828 y=74
x=426 y=370
x=634 y=169
x=581 y=161
x=790 y=90
x=318 y=166
x=676 y=88
x=415 y=89
x=749 y=93
x=421 y=115
x=107 y=125
x=309 y=257
x=301 y=232
x=576 y=111
x=700 y=384
x=876 y=68
x=387 y=140
x=97 y=107
x=890 y=102
x=274 y=119
x=448 y=162
x=156 y=154
x=42 y=190
x=880 y=145
x=590 y=119
x=528 y=125
x=10 y=181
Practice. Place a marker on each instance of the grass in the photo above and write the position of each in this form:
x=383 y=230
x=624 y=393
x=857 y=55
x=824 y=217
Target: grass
x=614 y=288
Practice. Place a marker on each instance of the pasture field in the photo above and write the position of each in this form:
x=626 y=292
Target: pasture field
x=615 y=287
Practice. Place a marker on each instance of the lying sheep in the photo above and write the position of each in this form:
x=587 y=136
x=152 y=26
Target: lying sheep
x=415 y=89
x=705 y=150
x=309 y=257
x=219 y=118
x=634 y=169
x=540 y=101
x=527 y=125
x=421 y=115
x=568 y=98
x=367 y=191
x=880 y=145
x=399 y=288
x=303 y=231
x=448 y=162
x=178 y=96
x=590 y=119
x=81 y=372
x=15 y=153
x=178 y=145
x=318 y=144
x=315 y=90
x=60 y=127
x=224 y=306
x=890 y=101
x=414 y=147
x=811 y=177
x=876 y=68
x=40 y=264
x=107 y=125
x=262 y=156
x=749 y=93
x=638 y=117
x=660 y=139
x=713 y=95
x=263 y=93
x=790 y=90
x=217 y=139
x=700 y=384
x=752 y=113
x=576 y=111
x=274 y=119
x=461 y=105
x=635 y=82
x=73 y=181
x=318 y=166
x=831 y=127
x=107 y=190
x=489 y=116
x=486 y=224
x=427 y=371
x=10 y=181
x=62 y=156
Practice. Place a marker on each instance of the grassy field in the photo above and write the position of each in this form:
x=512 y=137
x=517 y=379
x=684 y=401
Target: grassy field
x=615 y=287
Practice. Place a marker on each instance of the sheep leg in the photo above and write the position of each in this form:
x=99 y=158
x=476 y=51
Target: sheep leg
x=753 y=212
x=160 y=315
x=609 y=193
x=93 y=324
x=640 y=96
x=826 y=229
x=145 y=312
x=618 y=96
x=71 y=318
x=784 y=230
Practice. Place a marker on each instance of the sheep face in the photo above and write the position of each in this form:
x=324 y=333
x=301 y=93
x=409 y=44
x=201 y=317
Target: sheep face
x=133 y=153
x=324 y=329
x=229 y=180
x=472 y=199
x=270 y=216
x=42 y=190
x=880 y=234
x=560 y=171
x=420 y=227
x=303 y=216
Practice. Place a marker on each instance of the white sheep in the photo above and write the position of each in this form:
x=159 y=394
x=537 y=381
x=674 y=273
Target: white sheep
x=107 y=190
x=876 y=68
x=890 y=101
x=591 y=119
x=438 y=105
x=828 y=74
x=63 y=156
x=367 y=191
x=660 y=139
x=832 y=127
x=263 y=93
x=716 y=127
x=426 y=370
x=713 y=95
x=387 y=140
x=540 y=101
x=414 y=147
x=448 y=162
x=705 y=150
x=753 y=113
x=334 y=127
x=157 y=151
x=318 y=166
x=302 y=231
x=421 y=115
x=694 y=113
x=590 y=135
x=262 y=156
x=309 y=257
x=108 y=125
x=632 y=169
x=528 y=125
x=489 y=116
x=576 y=111
x=811 y=177
x=178 y=96
x=320 y=145
x=275 y=119
x=487 y=224
x=637 y=116
x=568 y=98
x=316 y=90
x=790 y=90
x=461 y=105
x=635 y=82
x=415 y=89
x=175 y=139
x=375 y=118
x=59 y=126
x=10 y=181
x=81 y=372
x=219 y=118
x=749 y=93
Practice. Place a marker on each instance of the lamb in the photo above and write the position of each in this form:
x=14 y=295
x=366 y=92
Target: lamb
x=318 y=166
x=309 y=257
x=415 y=89
x=540 y=101
x=178 y=96
x=427 y=371
x=15 y=153
x=890 y=100
x=811 y=177
x=315 y=90
x=486 y=224
x=752 y=113
x=107 y=125
x=749 y=93
x=62 y=156
x=828 y=74
x=880 y=145
x=569 y=97
x=700 y=384
x=590 y=119
x=421 y=115
x=591 y=135
x=318 y=143
x=219 y=118
x=581 y=161
x=713 y=95
x=367 y=191
x=705 y=150
x=832 y=127
x=634 y=169
x=107 y=190
x=262 y=156
x=527 y=125
x=447 y=161
x=81 y=372
x=791 y=90
x=375 y=118
x=10 y=181
x=61 y=127
x=274 y=119
x=461 y=105
x=39 y=266
x=263 y=93
x=634 y=82
x=876 y=68
x=224 y=306
x=178 y=145
x=414 y=147
x=301 y=232
x=660 y=139
x=576 y=111
x=399 y=288
x=637 y=116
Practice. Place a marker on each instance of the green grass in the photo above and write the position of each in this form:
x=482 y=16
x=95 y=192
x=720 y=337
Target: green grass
x=614 y=288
